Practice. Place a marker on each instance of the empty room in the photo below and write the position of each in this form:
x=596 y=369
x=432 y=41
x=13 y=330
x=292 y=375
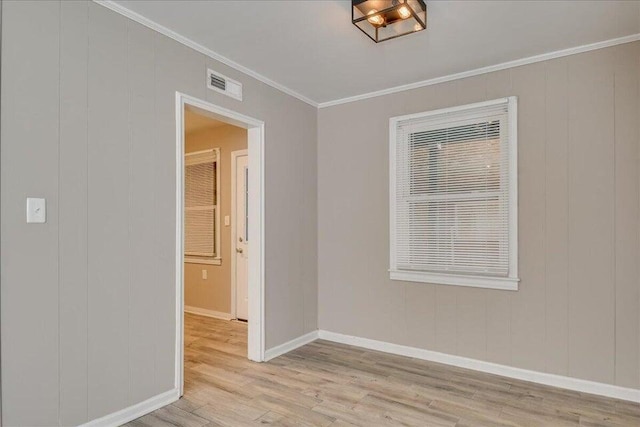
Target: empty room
x=319 y=213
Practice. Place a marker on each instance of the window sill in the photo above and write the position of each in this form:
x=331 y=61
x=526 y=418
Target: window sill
x=503 y=283
x=209 y=261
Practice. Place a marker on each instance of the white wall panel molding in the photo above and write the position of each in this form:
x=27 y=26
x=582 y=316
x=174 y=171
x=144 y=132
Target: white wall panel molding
x=208 y=313
x=135 y=411
x=290 y=345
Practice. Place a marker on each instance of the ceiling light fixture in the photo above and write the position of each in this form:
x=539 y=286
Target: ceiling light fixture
x=383 y=20
x=404 y=12
x=375 y=19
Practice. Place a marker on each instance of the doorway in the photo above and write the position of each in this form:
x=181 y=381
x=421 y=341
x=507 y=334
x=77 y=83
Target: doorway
x=251 y=208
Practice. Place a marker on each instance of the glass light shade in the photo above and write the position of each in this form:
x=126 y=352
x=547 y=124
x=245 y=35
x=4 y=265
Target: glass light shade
x=383 y=20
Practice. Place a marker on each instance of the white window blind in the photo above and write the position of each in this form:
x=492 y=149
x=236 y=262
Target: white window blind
x=454 y=196
x=201 y=203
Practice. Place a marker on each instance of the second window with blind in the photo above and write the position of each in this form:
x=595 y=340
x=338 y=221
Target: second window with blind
x=453 y=196
x=201 y=202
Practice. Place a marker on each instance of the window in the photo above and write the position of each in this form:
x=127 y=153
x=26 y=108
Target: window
x=201 y=206
x=453 y=196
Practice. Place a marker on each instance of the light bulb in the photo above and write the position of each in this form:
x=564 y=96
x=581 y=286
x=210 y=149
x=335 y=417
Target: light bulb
x=375 y=20
x=417 y=27
x=404 y=12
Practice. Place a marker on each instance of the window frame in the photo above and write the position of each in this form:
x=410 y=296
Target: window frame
x=510 y=282
x=216 y=259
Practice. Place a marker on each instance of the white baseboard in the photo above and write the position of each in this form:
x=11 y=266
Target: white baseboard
x=290 y=345
x=207 y=313
x=560 y=381
x=135 y=411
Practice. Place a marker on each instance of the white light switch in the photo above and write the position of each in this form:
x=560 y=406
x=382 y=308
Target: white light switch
x=226 y=220
x=36 y=210
x=204 y=274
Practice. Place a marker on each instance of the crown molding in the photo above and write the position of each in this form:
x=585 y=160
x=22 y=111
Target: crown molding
x=112 y=5
x=484 y=70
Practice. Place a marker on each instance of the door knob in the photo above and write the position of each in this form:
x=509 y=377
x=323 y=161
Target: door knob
x=239 y=250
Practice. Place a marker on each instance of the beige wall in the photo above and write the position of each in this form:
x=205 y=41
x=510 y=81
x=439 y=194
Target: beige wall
x=88 y=122
x=214 y=292
x=94 y=133
x=577 y=310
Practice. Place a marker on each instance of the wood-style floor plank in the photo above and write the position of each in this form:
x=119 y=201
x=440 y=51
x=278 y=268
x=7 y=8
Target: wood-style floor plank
x=329 y=384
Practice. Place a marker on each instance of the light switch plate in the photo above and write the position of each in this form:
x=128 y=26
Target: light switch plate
x=226 y=220
x=36 y=210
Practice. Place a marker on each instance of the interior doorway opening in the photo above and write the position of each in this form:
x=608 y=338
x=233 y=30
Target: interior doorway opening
x=219 y=229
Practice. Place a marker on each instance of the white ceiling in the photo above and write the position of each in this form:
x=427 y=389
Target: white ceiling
x=312 y=48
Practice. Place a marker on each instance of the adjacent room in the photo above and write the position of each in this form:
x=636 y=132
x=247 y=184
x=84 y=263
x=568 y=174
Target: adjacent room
x=319 y=213
x=215 y=244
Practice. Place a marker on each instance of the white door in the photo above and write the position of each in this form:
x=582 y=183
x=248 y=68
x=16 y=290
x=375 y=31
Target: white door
x=241 y=244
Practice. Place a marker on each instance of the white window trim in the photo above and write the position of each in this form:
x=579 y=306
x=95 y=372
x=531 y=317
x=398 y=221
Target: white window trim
x=196 y=258
x=209 y=261
x=456 y=279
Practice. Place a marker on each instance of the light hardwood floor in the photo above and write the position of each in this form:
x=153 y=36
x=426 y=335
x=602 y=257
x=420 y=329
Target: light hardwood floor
x=324 y=384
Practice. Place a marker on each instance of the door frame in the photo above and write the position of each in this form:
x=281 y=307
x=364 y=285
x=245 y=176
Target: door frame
x=256 y=275
x=234 y=183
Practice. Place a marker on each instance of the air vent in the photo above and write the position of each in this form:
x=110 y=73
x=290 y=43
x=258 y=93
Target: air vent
x=223 y=84
x=219 y=82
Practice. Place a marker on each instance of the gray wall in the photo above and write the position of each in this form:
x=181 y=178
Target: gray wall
x=577 y=310
x=88 y=107
x=0 y=185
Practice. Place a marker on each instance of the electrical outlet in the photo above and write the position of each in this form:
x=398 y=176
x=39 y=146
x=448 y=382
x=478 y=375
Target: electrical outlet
x=204 y=274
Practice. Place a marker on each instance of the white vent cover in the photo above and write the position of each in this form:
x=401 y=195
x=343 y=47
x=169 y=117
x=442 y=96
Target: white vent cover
x=223 y=84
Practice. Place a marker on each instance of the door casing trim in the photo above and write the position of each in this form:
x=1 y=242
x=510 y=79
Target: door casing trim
x=256 y=274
